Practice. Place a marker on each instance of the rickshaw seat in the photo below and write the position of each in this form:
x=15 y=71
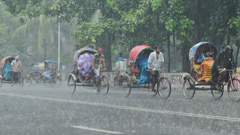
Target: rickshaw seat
x=197 y=68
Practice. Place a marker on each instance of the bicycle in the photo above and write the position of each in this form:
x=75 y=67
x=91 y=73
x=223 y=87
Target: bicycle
x=99 y=83
x=163 y=84
x=233 y=84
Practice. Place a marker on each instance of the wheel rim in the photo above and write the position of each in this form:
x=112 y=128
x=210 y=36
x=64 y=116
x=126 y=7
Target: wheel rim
x=125 y=86
x=234 y=90
x=104 y=85
x=164 y=88
x=71 y=85
x=188 y=88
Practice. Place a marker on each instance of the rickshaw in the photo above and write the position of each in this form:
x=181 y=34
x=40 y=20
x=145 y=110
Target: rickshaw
x=44 y=72
x=200 y=77
x=6 y=72
x=121 y=69
x=84 y=76
x=132 y=77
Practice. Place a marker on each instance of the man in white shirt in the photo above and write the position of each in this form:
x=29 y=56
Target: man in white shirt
x=155 y=61
x=16 y=66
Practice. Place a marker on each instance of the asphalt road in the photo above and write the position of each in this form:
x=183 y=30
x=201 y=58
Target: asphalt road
x=38 y=110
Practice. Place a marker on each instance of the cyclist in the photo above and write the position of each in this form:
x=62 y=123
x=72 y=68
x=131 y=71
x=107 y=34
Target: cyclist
x=224 y=60
x=98 y=63
x=98 y=60
x=16 y=66
x=155 y=60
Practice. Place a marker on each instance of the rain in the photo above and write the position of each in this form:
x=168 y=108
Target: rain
x=119 y=67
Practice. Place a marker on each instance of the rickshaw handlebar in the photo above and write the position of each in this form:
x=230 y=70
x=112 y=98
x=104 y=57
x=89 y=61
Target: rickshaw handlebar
x=154 y=69
x=227 y=70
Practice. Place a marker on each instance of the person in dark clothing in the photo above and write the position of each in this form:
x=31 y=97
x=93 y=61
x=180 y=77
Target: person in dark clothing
x=224 y=60
x=207 y=55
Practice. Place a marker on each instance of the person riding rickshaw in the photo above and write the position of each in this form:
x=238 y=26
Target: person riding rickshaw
x=121 y=69
x=138 y=75
x=87 y=64
x=11 y=69
x=6 y=69
x=204 y=73
x=50 y=69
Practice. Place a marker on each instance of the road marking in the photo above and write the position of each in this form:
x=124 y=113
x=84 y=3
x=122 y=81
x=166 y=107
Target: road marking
x=98 y=130
x=129 y=108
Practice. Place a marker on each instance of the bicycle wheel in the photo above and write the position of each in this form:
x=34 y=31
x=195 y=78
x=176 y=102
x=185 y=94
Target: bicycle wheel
x=217 y=93
x=188 y=88
x=27 y=81
x=234 y=90
x=164 y=87
x=71 y=84
x=125 y=86
x=104 y=85
x=58 y=81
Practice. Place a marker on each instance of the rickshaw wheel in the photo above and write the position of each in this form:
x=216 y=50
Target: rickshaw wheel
x=104 y=85
x=1 y=80
x=28 y=81
x=71 y=84
x=234 y=90
x=116 y=82
x=125 y=86
x=47 y=82
x=22 y=82
x=164 y=87
x=188 y=88
x=58 y=81
x=217 y=94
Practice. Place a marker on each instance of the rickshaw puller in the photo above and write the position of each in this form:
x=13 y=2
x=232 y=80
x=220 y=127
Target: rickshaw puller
x=155 y=60
x=224 y=60
x=98 y=61
x=16 y=66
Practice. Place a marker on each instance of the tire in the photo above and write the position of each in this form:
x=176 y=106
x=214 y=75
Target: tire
x=1 y=81
x=164 y=88
x=217 y=94
x=47 y=82
x=27 y=82
x=22 y=82
x=188 y=88
x=52 y=82
x=71 y=84
x=234 y=90
x=125 y=86
x=58 y=81
x=104 y=85
x=116 y=82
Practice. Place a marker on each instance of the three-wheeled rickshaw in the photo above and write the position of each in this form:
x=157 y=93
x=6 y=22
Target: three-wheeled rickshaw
x=84 y=76
x=138 y=75
x=6 y=72
x=200 y=77
x=44 y=72
x=121 y=69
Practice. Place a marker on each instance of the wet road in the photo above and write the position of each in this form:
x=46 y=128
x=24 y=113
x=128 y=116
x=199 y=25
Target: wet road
x=38 y=110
